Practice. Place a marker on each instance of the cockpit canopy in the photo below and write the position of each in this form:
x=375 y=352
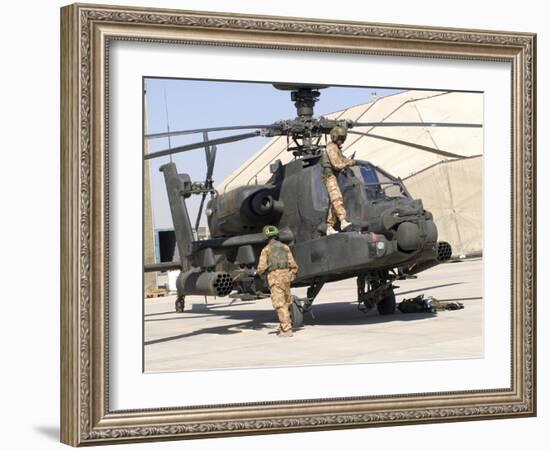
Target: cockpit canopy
x=379 y=185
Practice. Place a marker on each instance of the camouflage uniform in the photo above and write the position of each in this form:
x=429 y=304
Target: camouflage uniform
x=336 y=163
x=280 y=273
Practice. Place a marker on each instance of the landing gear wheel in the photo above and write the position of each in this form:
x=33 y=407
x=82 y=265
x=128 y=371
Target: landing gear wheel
x=387 y=306
x=180 y=303
x=296 y=313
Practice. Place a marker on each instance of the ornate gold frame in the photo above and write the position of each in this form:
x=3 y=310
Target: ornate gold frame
x=86 y=31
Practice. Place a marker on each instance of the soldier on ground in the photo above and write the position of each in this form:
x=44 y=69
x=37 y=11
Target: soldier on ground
x=276 y=259
x=333 y=162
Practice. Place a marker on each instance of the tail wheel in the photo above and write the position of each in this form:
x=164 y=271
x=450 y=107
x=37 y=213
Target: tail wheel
x=296 y=313
x=387 y=305
x=180 y=303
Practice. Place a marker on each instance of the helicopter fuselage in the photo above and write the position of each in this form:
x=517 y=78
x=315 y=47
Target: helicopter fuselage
x=391 y=230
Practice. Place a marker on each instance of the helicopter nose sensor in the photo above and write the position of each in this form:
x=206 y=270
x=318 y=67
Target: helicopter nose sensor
x=410 y=236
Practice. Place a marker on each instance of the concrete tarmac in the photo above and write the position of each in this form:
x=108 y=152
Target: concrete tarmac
x=225 y=335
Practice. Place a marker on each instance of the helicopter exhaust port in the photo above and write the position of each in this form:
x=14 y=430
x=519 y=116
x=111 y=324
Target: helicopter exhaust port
x=218 y=284
x=263 y=204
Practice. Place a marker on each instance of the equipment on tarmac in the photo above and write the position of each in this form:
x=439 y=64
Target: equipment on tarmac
x=392 y=238
x=419 y=304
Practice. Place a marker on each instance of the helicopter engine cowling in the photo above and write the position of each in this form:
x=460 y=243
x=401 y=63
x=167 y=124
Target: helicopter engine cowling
x=193 y=282
x=244 y=210
x=263 y=204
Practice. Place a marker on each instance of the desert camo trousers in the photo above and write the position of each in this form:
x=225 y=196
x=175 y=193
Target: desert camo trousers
x=336 y=208
x=279 y=285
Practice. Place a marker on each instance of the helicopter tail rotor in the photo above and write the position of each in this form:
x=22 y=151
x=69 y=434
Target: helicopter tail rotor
x=210 y=153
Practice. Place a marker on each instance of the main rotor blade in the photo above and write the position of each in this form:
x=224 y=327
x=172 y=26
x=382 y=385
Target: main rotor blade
x=185 y=148
x=417 y=124
x=201 y=130
x=410 y=144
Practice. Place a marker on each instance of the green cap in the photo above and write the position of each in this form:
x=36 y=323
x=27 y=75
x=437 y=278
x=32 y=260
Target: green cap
x=270 y=231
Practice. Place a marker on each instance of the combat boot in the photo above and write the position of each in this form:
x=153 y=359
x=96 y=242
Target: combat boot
x=285 y=334
x=331 y=230
x=344 y=224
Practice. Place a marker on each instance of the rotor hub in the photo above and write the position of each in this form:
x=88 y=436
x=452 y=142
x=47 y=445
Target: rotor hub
x=304 y=99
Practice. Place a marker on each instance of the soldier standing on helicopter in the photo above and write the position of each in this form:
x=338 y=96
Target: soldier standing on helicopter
x=333 y=161
x=276 y=259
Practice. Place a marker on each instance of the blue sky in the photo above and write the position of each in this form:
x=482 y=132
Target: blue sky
x=193 y=104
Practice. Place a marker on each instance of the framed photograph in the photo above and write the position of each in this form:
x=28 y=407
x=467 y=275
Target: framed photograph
x=289 y=224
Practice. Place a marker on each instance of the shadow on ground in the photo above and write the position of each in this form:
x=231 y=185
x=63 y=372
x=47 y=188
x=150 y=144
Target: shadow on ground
x=423 y=289
x=323 y=314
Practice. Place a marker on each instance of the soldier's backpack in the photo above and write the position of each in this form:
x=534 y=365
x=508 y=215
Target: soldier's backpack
x=416 y=305
x=278 y=257
x=325 y=163
x=419 y=304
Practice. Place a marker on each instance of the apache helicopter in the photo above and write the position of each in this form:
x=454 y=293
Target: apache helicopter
x=393 y=237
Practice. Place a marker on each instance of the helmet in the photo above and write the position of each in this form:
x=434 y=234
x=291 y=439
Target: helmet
x=270 y=231
x=338 y=133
